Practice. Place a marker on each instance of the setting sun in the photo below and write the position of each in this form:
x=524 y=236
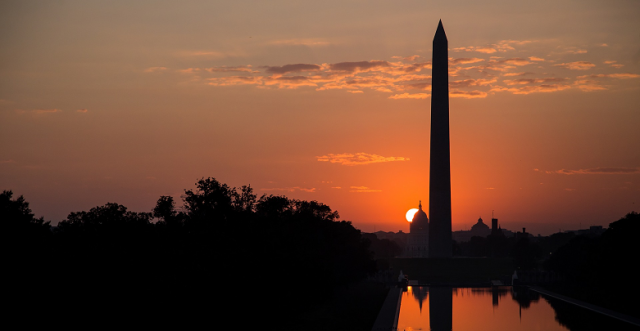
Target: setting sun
x=410 y=214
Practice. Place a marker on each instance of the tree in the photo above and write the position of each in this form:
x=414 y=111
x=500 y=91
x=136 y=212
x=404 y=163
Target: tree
x=17 y=217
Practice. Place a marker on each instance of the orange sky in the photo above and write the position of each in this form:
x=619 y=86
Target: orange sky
x=329 y=101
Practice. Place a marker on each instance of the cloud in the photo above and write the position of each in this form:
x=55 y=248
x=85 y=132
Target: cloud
x=82 y=110
x=501 y=46
x=614 y=64
x=407 y=58
x=39 y=111
x=575 y=50
x=234 y=80
x=619 y=76
x=525 y=81
x=210 y=54
x=485 y=50
x=537 y=59
x=246 y=68
x=471 y=82
x=47 y=111
x=362 y=189
x=589 y=83
x=597 y=171
x=189 y=70
x=511 y=74
x=358 y=66
x=292 y=68
x=464 y=60
x=155 y=69
x=291 y=82
x=544 y=88
x=350 y=159
x=516 y=61
x=468 y=94
x=410 y=96
x=578 y=65
x=290 y=189
x=301 y=42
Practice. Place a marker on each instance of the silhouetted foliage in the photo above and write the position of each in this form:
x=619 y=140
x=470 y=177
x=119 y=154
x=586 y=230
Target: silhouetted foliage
x=110 y=263
x=17 y=217
x=382 y=248
x=600 y=269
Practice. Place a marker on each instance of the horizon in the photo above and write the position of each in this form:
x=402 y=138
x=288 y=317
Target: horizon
x=119 y=102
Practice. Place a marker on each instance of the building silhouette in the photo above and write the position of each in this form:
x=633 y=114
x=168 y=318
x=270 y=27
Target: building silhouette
x=440 y=158
x=418 y=243
x=480 y=229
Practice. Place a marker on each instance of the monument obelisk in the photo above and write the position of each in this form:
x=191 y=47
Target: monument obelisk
x=440 y=159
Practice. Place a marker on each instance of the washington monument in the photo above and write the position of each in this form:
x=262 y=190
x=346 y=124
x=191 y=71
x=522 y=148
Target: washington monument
x=440 y=158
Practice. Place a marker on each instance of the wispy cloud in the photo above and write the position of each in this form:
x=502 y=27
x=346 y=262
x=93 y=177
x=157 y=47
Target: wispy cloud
x=39 y=111
x=246 y=68
x=410 y=96
x=577 y=65
x=493 y=68
x=292 y=68
x=597 y=171
x=614 y=64
x=361 y=66
x=214 y=55
x=235 y=80
x=353 y=159
x=544 y=88
x=290 y=189
x=468 y=94
x=464 y=60
x=501 y=46
x=155 y=69
x=362 y=189
x=525 y=81
x=617 y=75
x=310 y=42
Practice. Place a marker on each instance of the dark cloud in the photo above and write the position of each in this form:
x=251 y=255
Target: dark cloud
x=292 y=68
x=358 y=66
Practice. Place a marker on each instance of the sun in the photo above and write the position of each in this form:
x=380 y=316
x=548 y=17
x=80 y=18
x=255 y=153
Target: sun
x=410 y=214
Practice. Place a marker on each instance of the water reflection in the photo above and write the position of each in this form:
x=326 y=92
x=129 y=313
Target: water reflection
x=495 y=308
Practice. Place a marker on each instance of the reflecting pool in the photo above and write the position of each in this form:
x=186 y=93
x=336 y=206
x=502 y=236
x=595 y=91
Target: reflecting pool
x=495 y=308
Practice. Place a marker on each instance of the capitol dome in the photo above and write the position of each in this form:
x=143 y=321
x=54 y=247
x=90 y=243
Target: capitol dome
x=480 y=229
x=420 y=222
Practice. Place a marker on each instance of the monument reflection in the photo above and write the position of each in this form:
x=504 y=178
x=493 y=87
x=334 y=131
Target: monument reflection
x=495 y=308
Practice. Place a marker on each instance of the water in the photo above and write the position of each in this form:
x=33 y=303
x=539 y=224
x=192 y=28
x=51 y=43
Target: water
x=495 y=308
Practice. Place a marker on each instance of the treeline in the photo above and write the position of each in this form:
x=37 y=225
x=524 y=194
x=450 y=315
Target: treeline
x=602 y=270
x=223 y=252
x=521 y=248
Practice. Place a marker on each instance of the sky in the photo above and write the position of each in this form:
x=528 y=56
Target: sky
x=121 y=101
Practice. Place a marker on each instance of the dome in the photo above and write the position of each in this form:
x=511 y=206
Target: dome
x=420 y=220
x=480 y=229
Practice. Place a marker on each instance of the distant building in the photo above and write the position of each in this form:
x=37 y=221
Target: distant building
x=418 y=242
x=480 y=229
x=495 y=228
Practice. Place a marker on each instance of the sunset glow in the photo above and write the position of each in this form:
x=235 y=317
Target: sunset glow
x=328 y=101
